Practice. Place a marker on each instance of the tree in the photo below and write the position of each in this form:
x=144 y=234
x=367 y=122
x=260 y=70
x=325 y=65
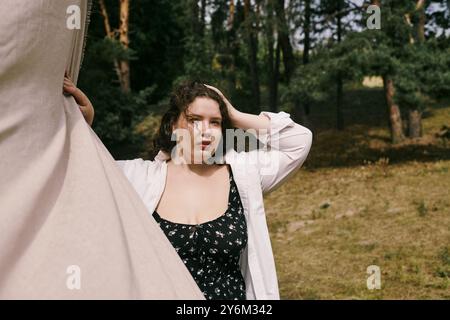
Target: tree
x=334 y=13
x=122 y=64
x=252 y=42
x=284 y=39
x=386 y=44
x=273 y=53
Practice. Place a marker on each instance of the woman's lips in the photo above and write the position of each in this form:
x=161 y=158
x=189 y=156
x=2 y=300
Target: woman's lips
x=205 y=144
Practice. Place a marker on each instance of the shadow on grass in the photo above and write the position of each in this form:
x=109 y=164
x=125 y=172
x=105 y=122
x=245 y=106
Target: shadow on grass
x=359 y=144
x=366 y=135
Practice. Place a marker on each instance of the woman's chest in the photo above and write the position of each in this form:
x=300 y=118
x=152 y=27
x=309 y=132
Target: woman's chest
x=194 y=201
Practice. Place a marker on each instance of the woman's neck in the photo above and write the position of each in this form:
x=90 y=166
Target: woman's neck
x=201 y=169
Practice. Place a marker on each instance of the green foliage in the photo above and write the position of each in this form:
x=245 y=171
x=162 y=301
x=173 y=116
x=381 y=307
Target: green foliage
x=198 y=60
x=419 y=70
x=310 y=84
x=109 y=49
x=169 y=43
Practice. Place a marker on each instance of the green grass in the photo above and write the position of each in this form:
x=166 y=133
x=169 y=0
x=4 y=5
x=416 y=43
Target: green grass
x=358 y=201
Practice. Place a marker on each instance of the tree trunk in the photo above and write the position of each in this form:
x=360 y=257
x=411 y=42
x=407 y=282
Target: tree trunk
x=232 y=46
x=420 y=6
x=125 y=42
x=109 y=34
x=395 y=120
x=415 y=114
x=273 y=57
x=121 y=67
x=307 y=31
x=283 y=39
x=274 y=71
x=194 y=17
x=105 y=15
x=339 y=99
x=253 y=46
x=415 y=123
x=231 y=12
x=409 y=23
x=339 y=81
x=304 y=114
x=202 y=18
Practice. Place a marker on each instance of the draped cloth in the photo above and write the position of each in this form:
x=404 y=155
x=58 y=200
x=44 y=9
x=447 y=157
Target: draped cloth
x=71 y=224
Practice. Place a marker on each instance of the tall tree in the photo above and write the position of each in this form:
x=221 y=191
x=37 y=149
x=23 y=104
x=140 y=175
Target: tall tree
x=273 y=53
x=334 y=12
x=395 y=119
x=300 y=16
x=252 y=40
x=305 y=58
x=121 y=65
x=339 y=82
x=125 y=42
x=284 y=39
x=414 y=113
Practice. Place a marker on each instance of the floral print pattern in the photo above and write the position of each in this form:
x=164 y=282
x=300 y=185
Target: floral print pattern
x=211 y=250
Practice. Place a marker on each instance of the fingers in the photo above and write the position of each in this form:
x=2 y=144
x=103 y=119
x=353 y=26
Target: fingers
x=216 y=90
x=213 y=88
x=67 y=81
x=69 y=86
x=81 y=99
x=231 y=109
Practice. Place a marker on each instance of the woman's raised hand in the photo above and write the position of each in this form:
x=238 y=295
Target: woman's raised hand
x=231 y=110
x=85 y=105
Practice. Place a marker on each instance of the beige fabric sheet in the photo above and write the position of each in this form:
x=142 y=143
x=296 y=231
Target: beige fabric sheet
x=71 y=225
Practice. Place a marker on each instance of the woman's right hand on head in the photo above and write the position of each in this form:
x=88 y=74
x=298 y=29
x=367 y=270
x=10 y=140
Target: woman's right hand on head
x=85 y=105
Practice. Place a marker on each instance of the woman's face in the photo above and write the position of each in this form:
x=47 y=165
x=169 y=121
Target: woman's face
x=199 y=131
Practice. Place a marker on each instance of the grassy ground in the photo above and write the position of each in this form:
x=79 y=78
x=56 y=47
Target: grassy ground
x=358 y=201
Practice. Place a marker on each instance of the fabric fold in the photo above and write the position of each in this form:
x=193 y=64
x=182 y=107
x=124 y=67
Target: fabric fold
x=71 y=224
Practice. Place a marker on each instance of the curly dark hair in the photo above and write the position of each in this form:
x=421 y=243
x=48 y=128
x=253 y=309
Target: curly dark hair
x=180 y=99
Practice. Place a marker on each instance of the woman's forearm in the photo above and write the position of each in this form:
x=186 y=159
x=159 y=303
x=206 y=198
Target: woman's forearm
x=84 y=104
x=246 y=121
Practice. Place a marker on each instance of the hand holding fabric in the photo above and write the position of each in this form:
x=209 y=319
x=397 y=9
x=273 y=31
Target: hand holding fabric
x=86 y=107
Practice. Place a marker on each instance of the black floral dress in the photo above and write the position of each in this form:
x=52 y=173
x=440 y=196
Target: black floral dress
x=211 y=250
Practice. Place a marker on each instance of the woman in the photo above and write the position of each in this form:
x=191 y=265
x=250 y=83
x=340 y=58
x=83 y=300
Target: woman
x=212 y=211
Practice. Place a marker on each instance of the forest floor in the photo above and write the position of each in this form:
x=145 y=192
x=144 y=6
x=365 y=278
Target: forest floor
x=359 y=201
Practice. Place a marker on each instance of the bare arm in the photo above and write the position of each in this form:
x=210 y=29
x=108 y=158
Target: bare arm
x=288 y=143
x=82 y=100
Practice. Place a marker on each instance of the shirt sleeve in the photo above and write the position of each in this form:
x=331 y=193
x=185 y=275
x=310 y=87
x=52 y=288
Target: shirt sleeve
x=121 y=164
x=287 y=145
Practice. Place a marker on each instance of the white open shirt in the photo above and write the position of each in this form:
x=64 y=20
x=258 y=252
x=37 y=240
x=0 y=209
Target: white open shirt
x=256 y=173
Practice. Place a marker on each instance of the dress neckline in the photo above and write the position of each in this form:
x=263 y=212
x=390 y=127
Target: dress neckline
x=230 y=179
